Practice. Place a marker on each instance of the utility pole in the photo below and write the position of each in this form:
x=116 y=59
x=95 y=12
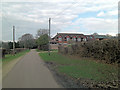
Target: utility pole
x=49 y=35
x=13 y=40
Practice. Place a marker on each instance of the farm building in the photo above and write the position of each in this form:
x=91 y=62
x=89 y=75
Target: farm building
x=103 y=37
x=66 y=37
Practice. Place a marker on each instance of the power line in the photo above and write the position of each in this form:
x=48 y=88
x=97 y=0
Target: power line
x=73 y=3
x=60 y=13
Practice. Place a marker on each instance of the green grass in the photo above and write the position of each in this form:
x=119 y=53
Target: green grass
x=38 y=50
x=81 y=68
x=10 y=57
x=53 y=50
x=43 y=50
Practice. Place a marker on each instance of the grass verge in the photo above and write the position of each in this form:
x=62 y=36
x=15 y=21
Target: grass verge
x=38 y=50
x=46 y=51
x=83 y=69
x=9 y=61
x=10 y=57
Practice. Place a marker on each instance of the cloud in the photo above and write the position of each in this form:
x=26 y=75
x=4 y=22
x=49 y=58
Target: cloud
x=39 y=0
x=109 y=13
x=30 y=16
x=115 y=12
x=101 y=14
x=98 y=25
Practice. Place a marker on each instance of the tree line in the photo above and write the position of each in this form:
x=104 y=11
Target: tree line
x=28 y=41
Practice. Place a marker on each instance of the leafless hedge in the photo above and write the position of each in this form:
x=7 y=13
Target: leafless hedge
x=2 y=53
x=107 y=50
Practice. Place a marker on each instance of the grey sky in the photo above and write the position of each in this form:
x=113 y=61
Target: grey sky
x=83 y=16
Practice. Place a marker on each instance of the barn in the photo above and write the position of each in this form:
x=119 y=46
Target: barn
x=75 y=37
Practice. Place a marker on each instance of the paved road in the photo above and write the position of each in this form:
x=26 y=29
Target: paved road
x=30 y=72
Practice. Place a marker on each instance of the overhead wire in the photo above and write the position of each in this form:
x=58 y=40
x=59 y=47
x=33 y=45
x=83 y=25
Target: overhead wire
x=62 y=12
x=58 y=14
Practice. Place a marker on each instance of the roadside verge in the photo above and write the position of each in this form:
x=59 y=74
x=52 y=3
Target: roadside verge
x=10 y=62
x=77 y=72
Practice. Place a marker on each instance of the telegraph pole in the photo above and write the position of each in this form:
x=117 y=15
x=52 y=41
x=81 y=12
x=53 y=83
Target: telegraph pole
x=13 y=40
x=49 y=35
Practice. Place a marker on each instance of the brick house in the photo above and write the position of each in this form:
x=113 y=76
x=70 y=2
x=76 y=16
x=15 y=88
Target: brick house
x=65 y=37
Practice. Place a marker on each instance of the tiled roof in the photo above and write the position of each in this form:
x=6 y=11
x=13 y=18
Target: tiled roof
x=69 y=34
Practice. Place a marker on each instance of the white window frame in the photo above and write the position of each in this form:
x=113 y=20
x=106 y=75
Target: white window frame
x=85 y=39
x=79 y=39
x=68 y=38
x=60 y=39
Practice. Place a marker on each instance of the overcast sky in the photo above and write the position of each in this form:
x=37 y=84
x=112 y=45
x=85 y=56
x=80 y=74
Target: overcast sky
x=80 y=16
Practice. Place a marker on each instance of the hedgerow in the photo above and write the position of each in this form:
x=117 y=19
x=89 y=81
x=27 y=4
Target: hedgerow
x=107 y=50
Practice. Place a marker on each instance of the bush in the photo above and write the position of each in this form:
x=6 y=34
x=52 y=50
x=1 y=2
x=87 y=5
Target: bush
x=2 y=53
x=107 y=50
x=44 y=47
x=17 y=50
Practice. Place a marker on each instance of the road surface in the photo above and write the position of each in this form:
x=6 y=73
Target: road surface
x=30 y=72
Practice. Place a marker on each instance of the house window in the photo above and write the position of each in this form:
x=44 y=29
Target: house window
x=68 y=38
x=60 y=39
x=85 y=39
x=74 y=39
x=79 y=39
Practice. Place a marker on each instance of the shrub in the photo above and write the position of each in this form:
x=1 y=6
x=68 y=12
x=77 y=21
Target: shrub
x=2 y=53
x=107 y=50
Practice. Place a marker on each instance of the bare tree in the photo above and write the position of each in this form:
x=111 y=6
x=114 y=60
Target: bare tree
x=5 y=45
x=27 y=41
x=94 y=34
x=108 y=35
x=41 y=32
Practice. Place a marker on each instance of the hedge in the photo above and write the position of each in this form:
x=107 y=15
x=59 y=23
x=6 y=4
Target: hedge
x=2 y=53
x=107 y=50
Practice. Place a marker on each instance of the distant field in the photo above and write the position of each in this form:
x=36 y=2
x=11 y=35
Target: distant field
x=10 y=57
x=81 y=68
